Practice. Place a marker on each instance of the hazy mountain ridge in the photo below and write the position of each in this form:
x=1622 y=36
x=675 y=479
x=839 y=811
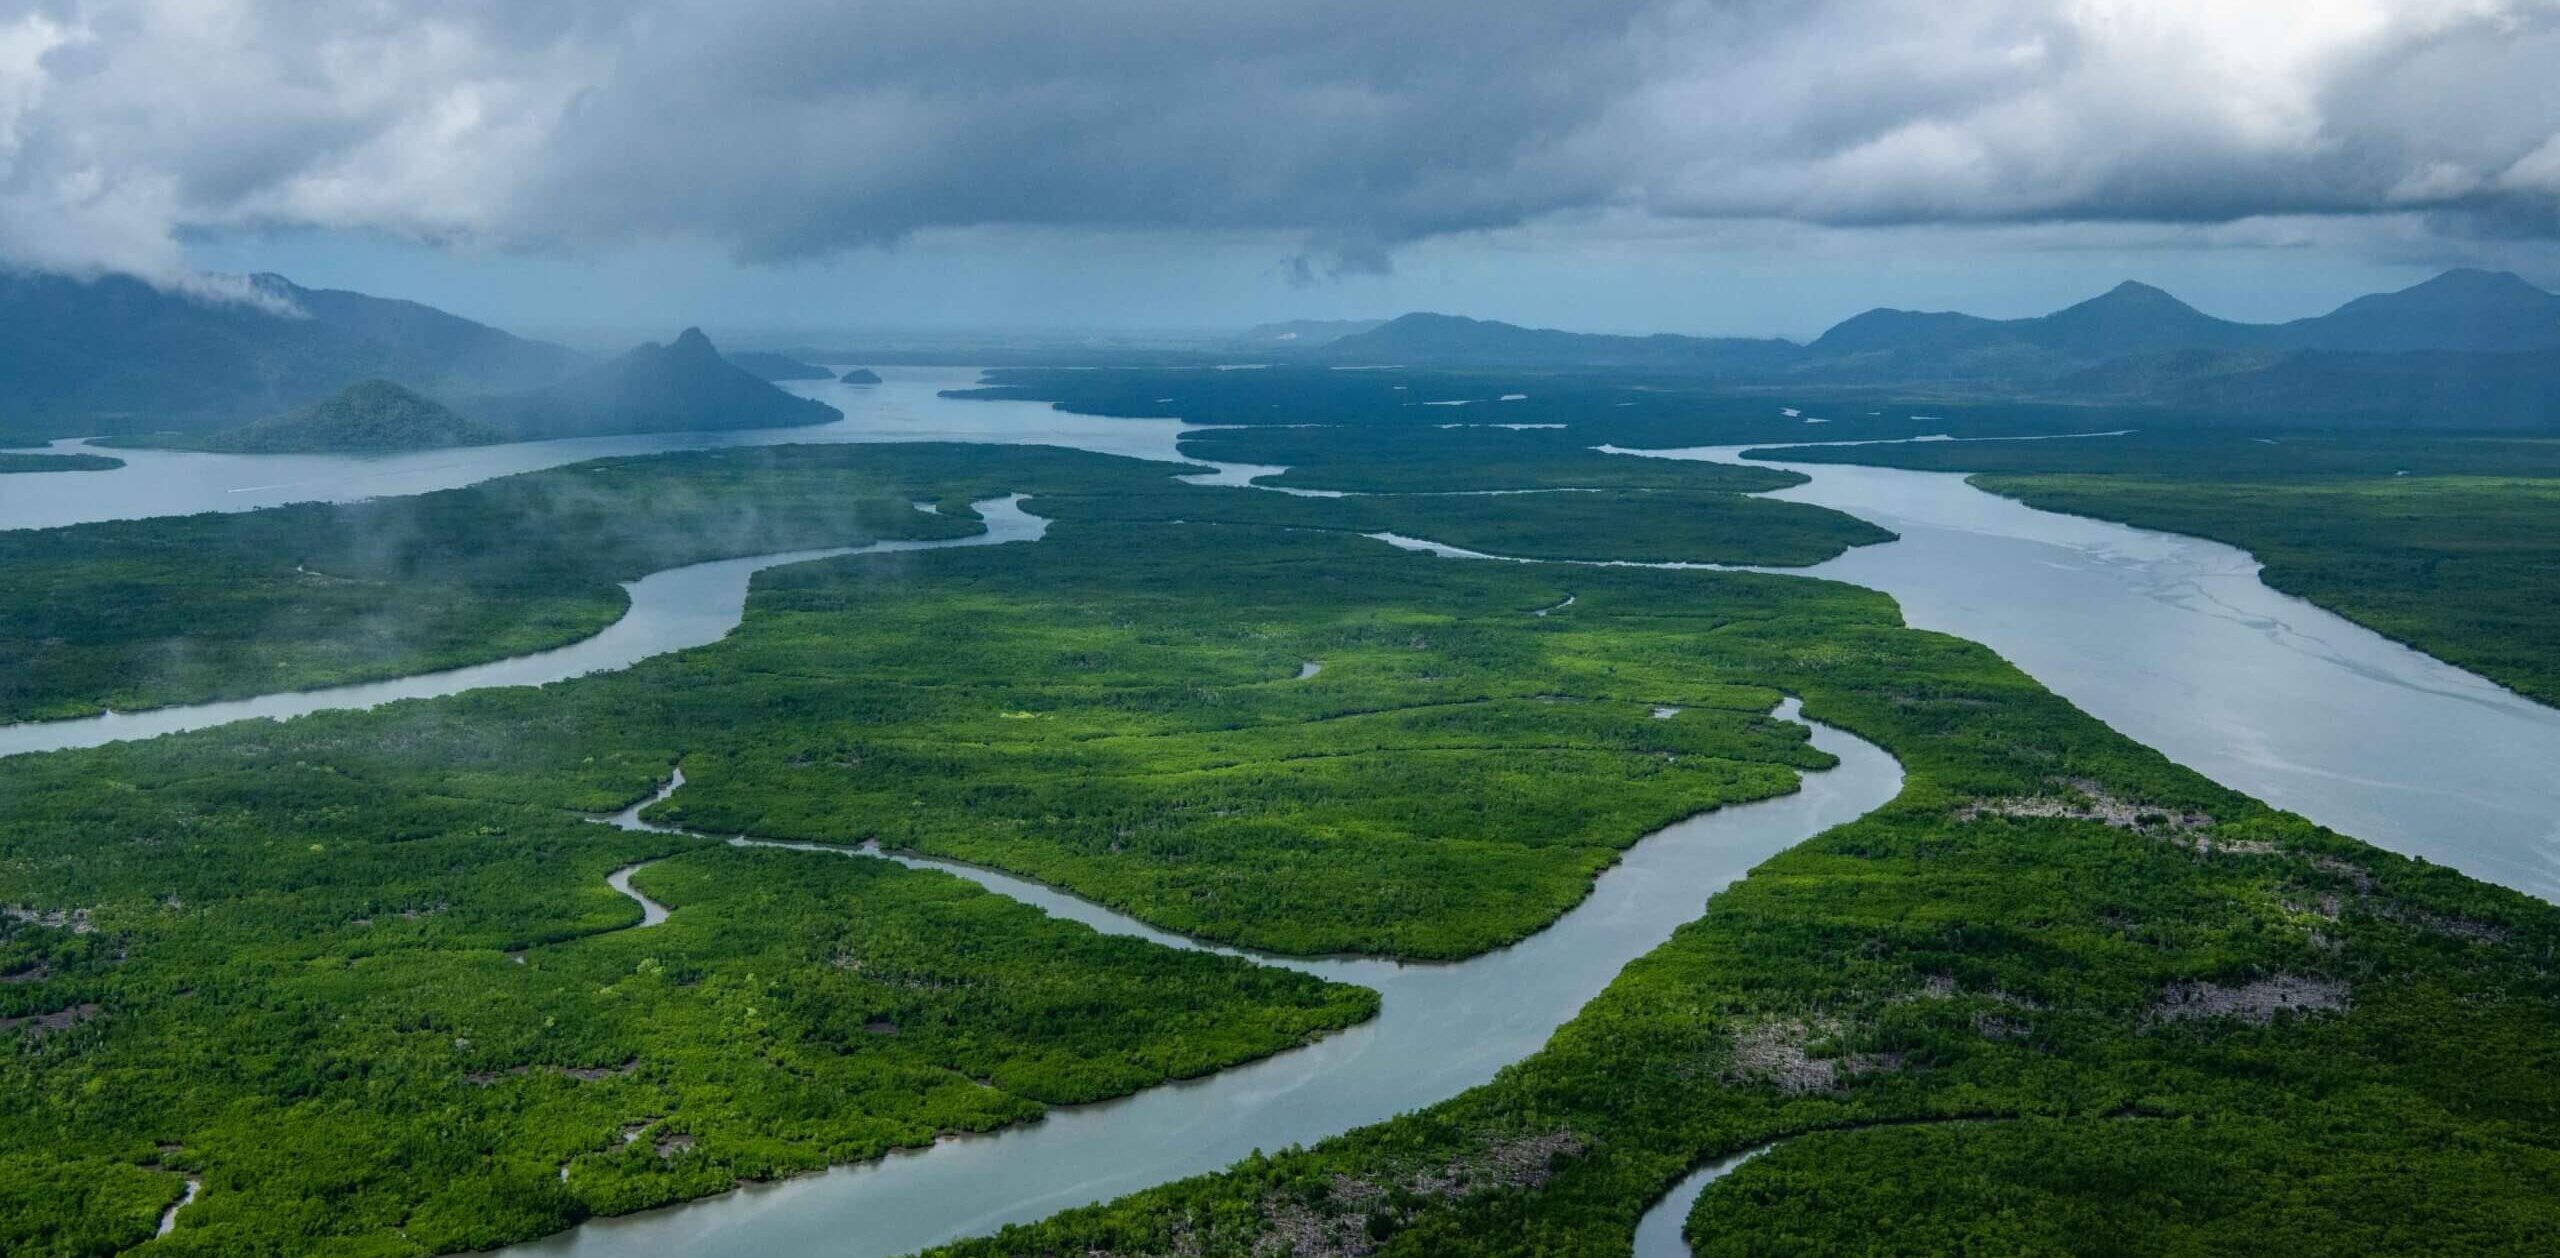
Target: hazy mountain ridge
x=1308 y=333
x=684 y=385
x=2461 y=311
x=116 y=354
x=1440 y=340
x=2465 y=349
x=2468 y=310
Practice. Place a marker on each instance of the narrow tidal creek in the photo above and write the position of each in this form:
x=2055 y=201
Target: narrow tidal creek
x=1441 y=1029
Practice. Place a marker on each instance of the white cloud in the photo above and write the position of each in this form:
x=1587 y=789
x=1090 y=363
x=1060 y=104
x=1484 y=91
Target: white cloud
x=778 y=130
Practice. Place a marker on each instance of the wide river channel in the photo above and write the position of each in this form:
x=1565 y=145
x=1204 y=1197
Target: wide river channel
x=2170 y=639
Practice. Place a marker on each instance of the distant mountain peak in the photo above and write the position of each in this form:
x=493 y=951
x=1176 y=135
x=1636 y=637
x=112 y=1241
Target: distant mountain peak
x=2465 y=308
x=2474 y=284
x=684 y=385
x=2134 y=295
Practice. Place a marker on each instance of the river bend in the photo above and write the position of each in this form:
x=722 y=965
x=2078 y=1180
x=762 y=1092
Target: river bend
x=673 y=610
x=1442 y=1028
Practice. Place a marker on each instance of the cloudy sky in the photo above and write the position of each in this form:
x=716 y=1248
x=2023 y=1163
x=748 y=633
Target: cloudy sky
x=1694 y=165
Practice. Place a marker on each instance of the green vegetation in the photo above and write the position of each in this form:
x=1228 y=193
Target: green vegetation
x=1117 y=725
x=10 y=462
x=361 y=973
x=144 y=613
x=1429 y=459
x=2451 y=545
x=1642 y=526
x=2032 y=931
x=1581 y=409
x=293 y=941
x=367 y=417
x=375 y=1016
x=141 y=613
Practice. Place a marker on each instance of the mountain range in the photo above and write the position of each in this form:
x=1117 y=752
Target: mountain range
x=2467 y=348
x=114 y=354
x=2463 y=311
x=1440 y=340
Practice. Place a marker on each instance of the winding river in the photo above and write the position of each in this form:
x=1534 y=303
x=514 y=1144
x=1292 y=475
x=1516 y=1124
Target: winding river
x=1441 y=1029
x=905 y=406
x=692 y=606
x=2174 y=641
x=2169 y=639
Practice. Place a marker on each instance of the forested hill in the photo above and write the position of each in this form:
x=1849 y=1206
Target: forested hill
x=2465 y=350
x=365 y=417
x=115 y=354
x=681 y=386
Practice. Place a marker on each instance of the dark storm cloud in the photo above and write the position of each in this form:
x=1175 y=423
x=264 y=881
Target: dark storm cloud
x=785 y=130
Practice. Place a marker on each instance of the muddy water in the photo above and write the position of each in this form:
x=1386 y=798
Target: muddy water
x=1442 y=1028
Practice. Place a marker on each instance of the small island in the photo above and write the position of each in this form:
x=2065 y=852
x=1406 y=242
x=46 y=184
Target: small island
x=860 y=375
x=57 y=462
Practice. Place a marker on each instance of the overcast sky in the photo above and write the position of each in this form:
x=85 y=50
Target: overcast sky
x=1746 y=165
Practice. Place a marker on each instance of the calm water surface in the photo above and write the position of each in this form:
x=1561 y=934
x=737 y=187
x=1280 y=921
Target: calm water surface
x=673 y=610
x=905 y=406
x=2172 y=640
x=2175 y=642
x=1442 y=1029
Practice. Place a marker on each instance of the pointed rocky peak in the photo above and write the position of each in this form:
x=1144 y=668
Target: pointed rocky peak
x=2135 y=296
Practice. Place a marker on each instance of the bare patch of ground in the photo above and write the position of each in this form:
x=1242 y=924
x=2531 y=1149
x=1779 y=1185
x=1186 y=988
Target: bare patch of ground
x=674 y=1144
x=2256 y=1002
x=583 y=1074
x=1777 y=1052
x=892 y=976
x=2324 y=904
x=74 y=920
x=2089 y=800
x=2348 y=870
x=2331 y=906
x=1986 y=1023
x=1352 y=1215
x=37 y=973
x=40 y=1025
